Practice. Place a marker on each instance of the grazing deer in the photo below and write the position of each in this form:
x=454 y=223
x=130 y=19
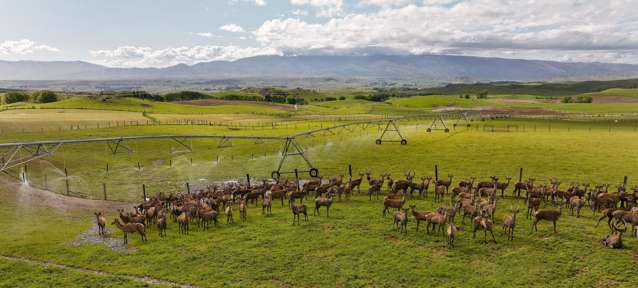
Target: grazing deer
x=451 y=234
x=400 y=220
x=101 y=223
x=485 y=224
x=229 y=213
x=547 y=215
x=130 y=228
x=609 y=214
x=297 y=210
x=183 y=220
x=420 y=216
x=242 y=210
x=320 y=201
x=266 y=206
x=392 y=203
x=161 y=225
x=509 y=225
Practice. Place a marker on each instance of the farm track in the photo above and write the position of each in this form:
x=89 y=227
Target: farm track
x=147 y=280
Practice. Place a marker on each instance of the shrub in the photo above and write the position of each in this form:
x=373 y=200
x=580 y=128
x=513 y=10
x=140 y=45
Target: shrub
x=342 y=98
x=330 y=99
x=14 y=97
x=45 y=96
x=185 y=96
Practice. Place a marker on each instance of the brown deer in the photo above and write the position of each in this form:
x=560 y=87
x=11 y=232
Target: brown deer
x=356 y=183
x=469 y=211
x=325 y=202
x=400 y=220
x=130 y=228
x=403 y=185
x=392 y=203
x=509 y=224
x=161 y=225
x=421 y=187
x=208 y=216
x=503 y=185
x=533 y=204
x=229 y=213
x=451 y=234
x=242 y=210
x=519 y=186
x=101 y=223
x=184 y=220
x=445 y=182
x=614 y=241
x=374 y=189
x=420 y=216
x=485 y=224
x=547 y=215
x=575 y=202
x=297 y=210
x=439 y=191
x=266 y=206
x=436 y=219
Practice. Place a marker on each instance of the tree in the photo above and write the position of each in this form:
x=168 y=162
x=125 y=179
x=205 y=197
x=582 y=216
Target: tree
x=45 y=96
x=14 y=97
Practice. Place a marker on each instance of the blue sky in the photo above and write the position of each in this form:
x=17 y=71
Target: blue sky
x=147 y=33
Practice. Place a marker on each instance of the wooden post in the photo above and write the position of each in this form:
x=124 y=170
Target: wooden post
x=170 y=162
x=350 y=170
x=436 y=172
x=66 y=179
x=144 y=191
x=139 y=167
x=188 y=188
x=520 y=175
x=248 y=180
x=25 y=174
x=624 y=182
x=104 y=189
x=297 y=178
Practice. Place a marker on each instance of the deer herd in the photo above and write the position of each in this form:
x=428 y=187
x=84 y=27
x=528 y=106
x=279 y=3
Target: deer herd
x=476 y=200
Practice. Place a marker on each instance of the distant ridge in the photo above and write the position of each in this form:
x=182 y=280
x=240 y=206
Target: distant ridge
x=434 y=68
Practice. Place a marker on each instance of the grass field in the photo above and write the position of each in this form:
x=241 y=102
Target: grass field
x=355 y=246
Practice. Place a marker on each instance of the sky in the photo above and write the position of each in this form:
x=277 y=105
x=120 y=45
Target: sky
x=160 y=33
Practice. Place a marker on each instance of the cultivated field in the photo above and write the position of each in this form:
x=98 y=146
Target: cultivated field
x=356 y=246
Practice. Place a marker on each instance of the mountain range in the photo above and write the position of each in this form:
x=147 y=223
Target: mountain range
x=413 y=68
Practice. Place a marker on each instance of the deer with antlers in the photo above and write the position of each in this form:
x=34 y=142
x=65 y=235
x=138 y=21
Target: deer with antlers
x=421 y=187
x=404 y=185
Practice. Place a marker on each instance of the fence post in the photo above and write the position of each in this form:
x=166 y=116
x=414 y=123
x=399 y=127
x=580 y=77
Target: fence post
x=188 y=188
x=297 y=178
x=66 y=180
x=624 y=182
x=104 y=189
x=144 y=191
x=436 y=172
x=520 y=175
x=25 y=174
x=248 y=180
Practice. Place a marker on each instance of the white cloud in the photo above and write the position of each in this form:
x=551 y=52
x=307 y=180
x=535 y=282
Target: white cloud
x=24 y=47
x=388 y=3
x=205 y=34
x=260 y=3
x=132 y=56
x=326 y=8
x=598 y=28
x=232 y=28
x=299 y=12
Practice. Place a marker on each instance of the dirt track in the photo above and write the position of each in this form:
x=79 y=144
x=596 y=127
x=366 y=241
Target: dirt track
x=43 y=198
